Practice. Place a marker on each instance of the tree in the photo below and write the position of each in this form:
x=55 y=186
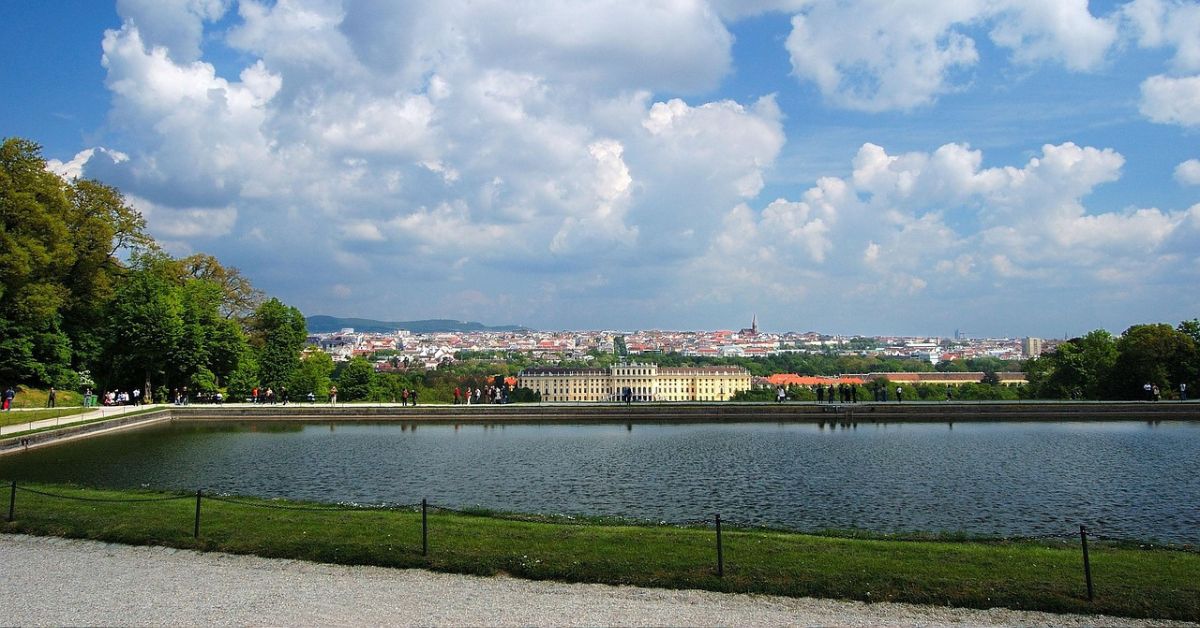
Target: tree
x=1080 y=367
x=58 y=265
x=238 y=297
x=101 y=225
x=1157 y=354
x=312 y=376
x=145 y=327
x=35 y=253
x=277 y=333
x=356 y=379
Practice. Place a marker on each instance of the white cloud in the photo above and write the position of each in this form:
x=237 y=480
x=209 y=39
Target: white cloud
x=529 y=149
x=902 y=225
x=74 y=169
x=1170 y=23
x=188 y=223
x=1169 y=100
x=1188 y=172
x=1062 y=30
x=877 y=55
x=175 y=25
x=872 y=56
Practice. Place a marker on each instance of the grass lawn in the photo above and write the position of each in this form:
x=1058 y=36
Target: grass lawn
x=1035 y=575
x=27 y=416
x=36 y=398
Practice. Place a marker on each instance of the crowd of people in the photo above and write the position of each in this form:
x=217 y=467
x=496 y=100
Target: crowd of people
x=487 y=394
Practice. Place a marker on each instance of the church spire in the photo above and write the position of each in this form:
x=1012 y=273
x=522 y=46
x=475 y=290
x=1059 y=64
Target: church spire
x=754 y=324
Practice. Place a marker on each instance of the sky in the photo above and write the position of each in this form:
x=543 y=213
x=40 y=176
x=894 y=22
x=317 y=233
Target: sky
x=999 y=167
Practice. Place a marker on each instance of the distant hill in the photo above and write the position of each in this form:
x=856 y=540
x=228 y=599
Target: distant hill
x=326 y=324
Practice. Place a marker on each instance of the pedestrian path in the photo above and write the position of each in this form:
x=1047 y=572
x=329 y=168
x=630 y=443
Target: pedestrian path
x=101 y=412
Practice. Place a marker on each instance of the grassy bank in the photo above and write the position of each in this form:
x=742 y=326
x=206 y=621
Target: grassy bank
x=37 y=398
x=29 y=416
x=1015 y=574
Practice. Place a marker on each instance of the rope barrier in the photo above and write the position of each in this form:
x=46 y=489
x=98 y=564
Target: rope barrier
x=109 y=501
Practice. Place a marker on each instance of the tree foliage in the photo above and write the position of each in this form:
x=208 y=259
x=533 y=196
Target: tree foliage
x=356 y=380
x=277 y=335
x=84 y=288
x=1099 y=366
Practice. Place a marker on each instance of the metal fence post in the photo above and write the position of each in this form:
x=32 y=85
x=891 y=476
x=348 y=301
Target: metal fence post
x=12 y=500
x=720 y=551
x=424 y=528
x=196 y=530
x=1087 y=565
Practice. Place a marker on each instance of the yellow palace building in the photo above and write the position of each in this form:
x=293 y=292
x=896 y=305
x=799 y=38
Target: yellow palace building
x=646 y=382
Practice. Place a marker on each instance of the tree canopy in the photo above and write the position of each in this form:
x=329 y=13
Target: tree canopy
x=84 y=288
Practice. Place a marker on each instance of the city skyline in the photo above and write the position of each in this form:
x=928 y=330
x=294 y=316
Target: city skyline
x=1011 y=168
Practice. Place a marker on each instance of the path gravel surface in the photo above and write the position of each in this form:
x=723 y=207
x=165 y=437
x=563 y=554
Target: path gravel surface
x=53 y=581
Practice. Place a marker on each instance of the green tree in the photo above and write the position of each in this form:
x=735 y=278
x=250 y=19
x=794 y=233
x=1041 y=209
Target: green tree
x=1157 y=354
x=145 y=328
x=356 y=380
x=238 y=297
x=101 y=224
x=1080 y=367
x=312 y=376
x=36 y=252
x=277 y=334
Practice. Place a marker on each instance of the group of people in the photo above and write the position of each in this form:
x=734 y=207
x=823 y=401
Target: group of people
x=1152 y=392
x=407 y=395
x=9 y=395
x=488 y=394
x=267 y=395
x=117 y=397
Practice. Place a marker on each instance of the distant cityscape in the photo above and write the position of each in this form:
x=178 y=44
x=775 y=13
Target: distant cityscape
x=433 y=348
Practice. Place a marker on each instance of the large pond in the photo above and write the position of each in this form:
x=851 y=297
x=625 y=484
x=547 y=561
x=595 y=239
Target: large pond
x=1125 y=479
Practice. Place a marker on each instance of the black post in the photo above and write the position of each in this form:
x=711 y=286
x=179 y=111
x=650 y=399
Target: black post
x=12 y=500
x=196 y=530
x=720 y=552
x=1087 y=565
x=424 y=528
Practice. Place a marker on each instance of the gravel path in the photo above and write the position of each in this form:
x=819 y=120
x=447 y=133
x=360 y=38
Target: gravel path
x=52 y=581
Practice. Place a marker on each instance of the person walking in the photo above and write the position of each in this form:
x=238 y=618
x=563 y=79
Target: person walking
x=137 y=396
x=1182 y=391
x=50 y=398
x=9 y=395
x=899 y=395
x=333 y=395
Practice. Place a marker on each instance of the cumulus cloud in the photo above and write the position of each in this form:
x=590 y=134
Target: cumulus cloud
x=1188 y=172
x=877 y=55
x=1167 y=23
x=175 y=25
x=903 y=224
x=1169 y=100
x=527 y=150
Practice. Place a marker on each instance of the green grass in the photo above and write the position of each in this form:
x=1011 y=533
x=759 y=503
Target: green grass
x=1048 y=576
x=27 y=416
x=36 y=398
x=113 y=414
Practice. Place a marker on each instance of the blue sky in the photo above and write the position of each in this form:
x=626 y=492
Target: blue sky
x=1005 y=167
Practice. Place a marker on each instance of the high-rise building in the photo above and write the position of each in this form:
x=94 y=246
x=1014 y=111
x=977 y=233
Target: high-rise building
x=1031 y=347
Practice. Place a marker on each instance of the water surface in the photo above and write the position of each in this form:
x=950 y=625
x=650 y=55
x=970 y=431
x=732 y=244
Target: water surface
x=1128 y=479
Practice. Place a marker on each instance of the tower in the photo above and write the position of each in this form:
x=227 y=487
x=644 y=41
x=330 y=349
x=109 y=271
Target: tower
x=754 y=325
